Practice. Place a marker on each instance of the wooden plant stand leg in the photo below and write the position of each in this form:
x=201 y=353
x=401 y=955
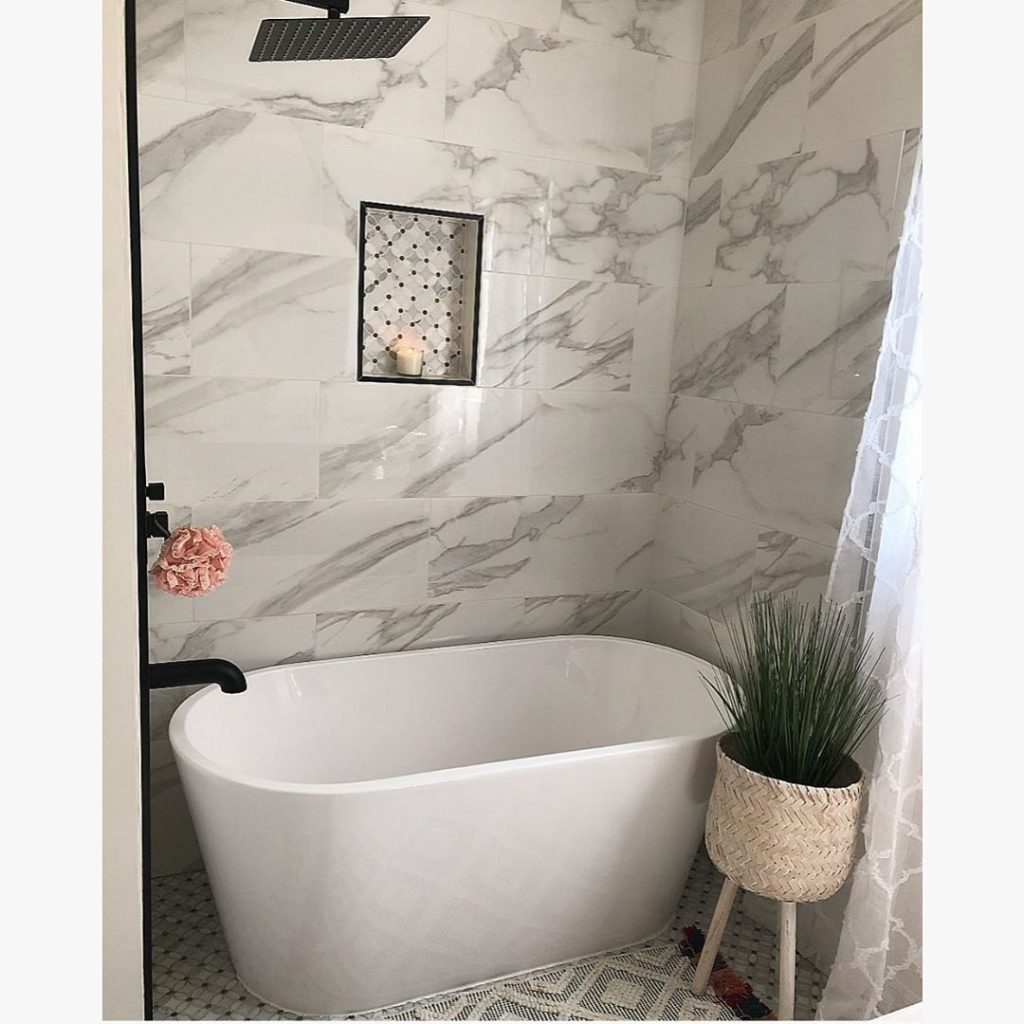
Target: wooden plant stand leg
x=787 y=960
x=714 y=937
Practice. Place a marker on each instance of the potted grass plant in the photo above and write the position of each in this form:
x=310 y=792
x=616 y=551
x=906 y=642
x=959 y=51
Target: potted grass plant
x=797 y=696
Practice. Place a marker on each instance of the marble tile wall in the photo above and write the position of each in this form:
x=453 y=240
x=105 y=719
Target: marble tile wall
x=381 y=517
x=692 y=216
x=806 y=132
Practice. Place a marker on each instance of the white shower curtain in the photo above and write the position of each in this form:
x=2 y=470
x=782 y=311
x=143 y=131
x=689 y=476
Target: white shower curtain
x=877 y=570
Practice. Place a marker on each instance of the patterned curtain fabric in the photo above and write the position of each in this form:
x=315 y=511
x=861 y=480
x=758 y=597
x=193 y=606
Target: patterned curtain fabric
x=877 y=572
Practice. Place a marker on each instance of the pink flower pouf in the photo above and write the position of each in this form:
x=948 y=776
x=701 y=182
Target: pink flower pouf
x=193 y=561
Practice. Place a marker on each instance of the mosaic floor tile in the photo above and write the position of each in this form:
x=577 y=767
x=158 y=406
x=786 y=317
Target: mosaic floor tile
x=193 y=978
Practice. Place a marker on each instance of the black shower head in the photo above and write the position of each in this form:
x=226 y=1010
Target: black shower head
x=333 y=37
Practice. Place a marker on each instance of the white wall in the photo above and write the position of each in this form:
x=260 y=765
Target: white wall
x=122 y=791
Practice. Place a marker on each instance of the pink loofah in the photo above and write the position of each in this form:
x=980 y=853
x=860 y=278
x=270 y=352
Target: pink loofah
x=193 y=561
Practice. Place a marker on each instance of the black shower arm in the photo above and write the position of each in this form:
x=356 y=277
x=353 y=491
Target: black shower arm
x=226 y=674
x=332 y=7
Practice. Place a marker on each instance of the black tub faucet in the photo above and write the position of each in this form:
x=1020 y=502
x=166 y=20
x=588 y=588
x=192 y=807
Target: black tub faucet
x=226 y=674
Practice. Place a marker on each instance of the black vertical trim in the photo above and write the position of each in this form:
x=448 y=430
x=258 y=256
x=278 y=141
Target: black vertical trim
x=135 y=243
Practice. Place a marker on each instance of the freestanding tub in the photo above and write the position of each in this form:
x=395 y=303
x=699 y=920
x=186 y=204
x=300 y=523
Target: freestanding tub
x=396 y=825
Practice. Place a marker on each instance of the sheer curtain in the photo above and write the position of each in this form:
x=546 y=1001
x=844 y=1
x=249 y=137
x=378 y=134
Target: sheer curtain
x=877 y=572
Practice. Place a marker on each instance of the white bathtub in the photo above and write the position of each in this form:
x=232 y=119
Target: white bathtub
x=396 y=825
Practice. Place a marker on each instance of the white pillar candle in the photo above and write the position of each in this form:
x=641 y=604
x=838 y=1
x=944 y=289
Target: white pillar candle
x=410 y=360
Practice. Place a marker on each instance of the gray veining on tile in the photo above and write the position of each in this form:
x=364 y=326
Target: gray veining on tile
x=621 y=613
x=702 y=232
x=823 y=216
x=724 y=339
x=522 y=547
x=652 y=339
x=788 y=471
x=866 y=78
x=751 y=101
x=703 y=559
x=318 y=556
x=615 y=225
x=196 y=184
x=165 y=308
x=675 y=100
x=160 y=47
x=759 y=17
x=509 y=189
x=272 y=314
x=547 y=94
x=789 y=565
x=668 y=27
x=381 y=630
x=597 y=443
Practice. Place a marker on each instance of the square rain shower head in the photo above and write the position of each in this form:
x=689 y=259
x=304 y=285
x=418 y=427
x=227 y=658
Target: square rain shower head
x=333 y=38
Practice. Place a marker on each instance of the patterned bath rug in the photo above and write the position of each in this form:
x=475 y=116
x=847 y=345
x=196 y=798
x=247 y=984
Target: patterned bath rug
x=648 y=982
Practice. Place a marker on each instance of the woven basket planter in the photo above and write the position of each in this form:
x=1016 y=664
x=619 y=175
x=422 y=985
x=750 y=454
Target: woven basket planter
x=781 y=840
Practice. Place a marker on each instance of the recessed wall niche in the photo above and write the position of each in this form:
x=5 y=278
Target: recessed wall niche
x=419 y=294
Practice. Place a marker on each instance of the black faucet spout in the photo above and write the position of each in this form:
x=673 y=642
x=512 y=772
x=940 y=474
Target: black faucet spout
x=226 y=674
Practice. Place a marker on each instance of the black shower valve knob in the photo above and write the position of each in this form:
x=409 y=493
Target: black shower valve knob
x=155 y=491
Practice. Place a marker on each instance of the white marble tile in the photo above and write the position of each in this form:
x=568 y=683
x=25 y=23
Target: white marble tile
x=674 y=625
x=597 y=443
x=634 y=540
x=727 y=342
x=863 y=306
x=273 y=314
x=385 y=440
x=402 y=95
x=670 y=27
x=758 y=18
x=703 y=232
x=197 y=470
x=823 y=216
x=789 y=565
x=481 y=442
x=375 y=438
x=866 y=77
x=250 y=440
x=160 y=47
x=787 y=471
x=614 y=225
x=679 y=450
x=317 y=556
x=808 y=347
x=232 y=411
x=652 y=339
x=376 y=630
x=721 y=28
x=582 y=332
x=620 y=613
x=227 y=177
x=518 y=89
x=557 y=333
x=510 y=190
x=751 y=101
x=703 y=559
x=508 y=356
x=675 y=103
x=165 y=308
x=542 y=14
x=523 y=547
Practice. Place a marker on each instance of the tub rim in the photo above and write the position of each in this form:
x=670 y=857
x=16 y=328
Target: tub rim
x=183 y=747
